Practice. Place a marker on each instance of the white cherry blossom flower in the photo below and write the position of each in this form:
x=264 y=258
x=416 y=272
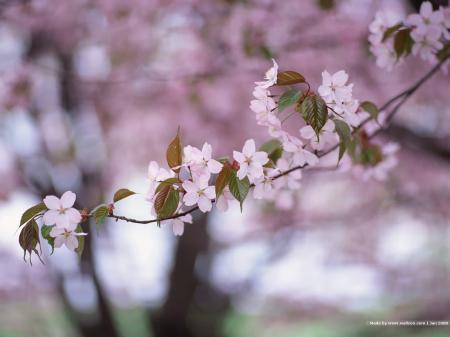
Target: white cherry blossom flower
x=426 y=17
x=426 y=42
x=327 y=135
x=200 y=193
x=65 y=236
x=333 y=86
x=386 y=57
x=265 y=185
x=299 y=155
x=270 y=77
x=155 y=175
x=201 y=159
x=250 y=161
x=60 y=211
x=291 y=180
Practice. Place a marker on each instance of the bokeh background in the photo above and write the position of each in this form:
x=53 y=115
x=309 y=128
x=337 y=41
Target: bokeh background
x=91 y=91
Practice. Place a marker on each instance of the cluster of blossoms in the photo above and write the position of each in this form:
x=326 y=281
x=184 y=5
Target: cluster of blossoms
x=339 y=107
x=424 y=34
x=62 y=220
x=330 y=119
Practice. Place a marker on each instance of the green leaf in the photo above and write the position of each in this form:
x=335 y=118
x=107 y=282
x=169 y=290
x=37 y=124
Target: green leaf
x=315 y=112
x=371 y=155
x=122 y=194
x=101 y=213
x=167 y=182
x=288 y=98
x=371 y=108
x=80 y=238
x=239 y=188
x=166 y=201
x=273 y=148
x=45 y=232
x=345 y=135
x=403 y=42
x=29 y=239
x=32 y=212
x=289 y=77
x=223 y=178
x=388 y=32
x=174 y=153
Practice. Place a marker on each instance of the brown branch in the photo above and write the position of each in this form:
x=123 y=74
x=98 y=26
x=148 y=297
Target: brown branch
x=402 y=97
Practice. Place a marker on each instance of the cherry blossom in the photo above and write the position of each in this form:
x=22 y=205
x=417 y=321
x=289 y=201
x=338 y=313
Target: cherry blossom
x=250 y=161
x=201 y=160
x=426 y=18
x=199 y=192
x=265 y=185
x=290 y=181
x=299 y=156
x=270 y=77
x=326 y=135
x=427 y=42
x=156 y=174
x=333 y=86
x=65 y=236
x=60 y=211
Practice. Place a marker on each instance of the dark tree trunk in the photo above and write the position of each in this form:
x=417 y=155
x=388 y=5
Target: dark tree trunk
x=181 y=314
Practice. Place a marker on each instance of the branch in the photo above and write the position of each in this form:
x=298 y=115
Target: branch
x=402 y=97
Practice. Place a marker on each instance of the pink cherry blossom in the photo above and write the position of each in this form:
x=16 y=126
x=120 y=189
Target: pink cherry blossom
x=201 y=160
x=65 y=236
x=250 y=161
x=199 y=192
x=270 y=77
x=60 y=211
x=327 y=136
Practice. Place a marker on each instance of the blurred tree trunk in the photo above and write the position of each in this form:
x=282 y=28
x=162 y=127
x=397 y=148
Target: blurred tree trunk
x=182 y=315
x=90 y=191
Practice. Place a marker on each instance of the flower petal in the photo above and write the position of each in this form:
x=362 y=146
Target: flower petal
x=50 y=217
x=55 y=232
x=153 y=169
x=52 y=202
x=190 y=187
x=207 y=151
x=71 y=242
x=260 y=157
x=178 y=227
x=214 y=166
x=59 y=241
x=74 y=215
x=62 y=221
x=238 y=156
x=210 y=192
x=249 y=148
x=242 y=172
x=204 y=204
x=190 y=198
x=68 y=199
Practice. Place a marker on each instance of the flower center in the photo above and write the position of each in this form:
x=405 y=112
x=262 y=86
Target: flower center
x=62 y=210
